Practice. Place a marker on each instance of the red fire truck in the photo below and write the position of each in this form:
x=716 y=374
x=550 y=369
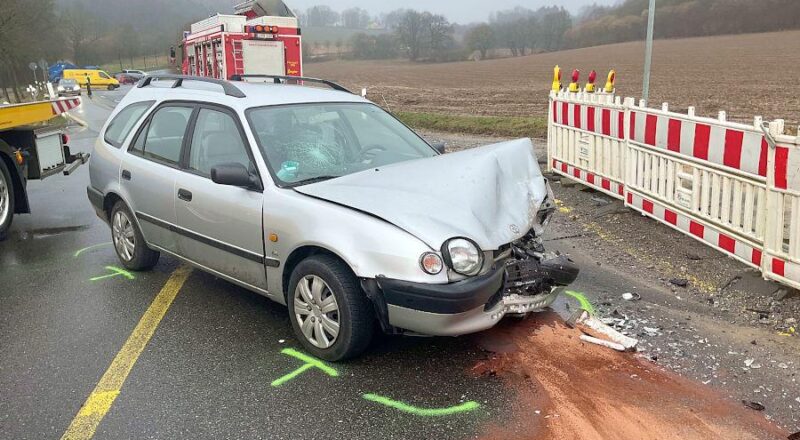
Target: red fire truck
x=262 y=37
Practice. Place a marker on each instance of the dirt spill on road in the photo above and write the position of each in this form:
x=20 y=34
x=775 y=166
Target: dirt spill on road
x=587 y=392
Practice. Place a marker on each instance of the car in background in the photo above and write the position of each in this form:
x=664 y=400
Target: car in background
x=126 y=78
x=68 y=87
x=98 y=78
x=135 y=74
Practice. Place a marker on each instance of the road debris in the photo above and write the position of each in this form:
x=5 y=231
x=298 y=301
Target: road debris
x=753 y=405
x=752 y=364
x=680 y=282
x=628 y=296
x=602 y=334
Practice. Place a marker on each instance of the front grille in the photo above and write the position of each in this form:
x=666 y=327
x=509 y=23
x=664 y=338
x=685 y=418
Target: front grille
x=524 y=277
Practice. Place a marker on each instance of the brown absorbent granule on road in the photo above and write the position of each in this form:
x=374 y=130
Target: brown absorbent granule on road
x=588 y=392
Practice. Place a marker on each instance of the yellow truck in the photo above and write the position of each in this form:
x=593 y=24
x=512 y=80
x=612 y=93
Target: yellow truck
x=31 y=149
x=99 y=78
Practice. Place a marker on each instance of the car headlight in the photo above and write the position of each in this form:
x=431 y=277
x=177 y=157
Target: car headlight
x=463 y=256
x=431 y=263
x=76 y=88
x=60 y=88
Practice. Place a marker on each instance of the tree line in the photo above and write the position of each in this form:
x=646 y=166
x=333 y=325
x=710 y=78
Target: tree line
x=521 y=31
x=681 y=18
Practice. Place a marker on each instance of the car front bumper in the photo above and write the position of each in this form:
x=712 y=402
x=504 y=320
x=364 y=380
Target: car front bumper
x=471 y=321
x=458 y=308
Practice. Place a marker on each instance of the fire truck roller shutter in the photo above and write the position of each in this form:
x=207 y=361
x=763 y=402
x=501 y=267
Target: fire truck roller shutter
x=263 y=57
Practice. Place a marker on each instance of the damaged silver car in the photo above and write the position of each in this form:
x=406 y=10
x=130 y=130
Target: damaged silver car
x=322 y=201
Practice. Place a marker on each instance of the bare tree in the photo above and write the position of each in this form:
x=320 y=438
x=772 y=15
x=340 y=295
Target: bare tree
x=322 y=15
x=411 y=32
x=80 y=29
x=480 y=38
x=355 y=18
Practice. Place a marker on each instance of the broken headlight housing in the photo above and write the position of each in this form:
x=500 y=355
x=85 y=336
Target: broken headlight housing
x=463 y=256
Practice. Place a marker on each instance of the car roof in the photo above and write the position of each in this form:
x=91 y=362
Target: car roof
x=256 y=94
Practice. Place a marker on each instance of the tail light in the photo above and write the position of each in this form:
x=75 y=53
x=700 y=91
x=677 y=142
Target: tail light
x=64 y=139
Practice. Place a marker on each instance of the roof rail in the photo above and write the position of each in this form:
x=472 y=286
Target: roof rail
x=227 y=87
x=280 y=79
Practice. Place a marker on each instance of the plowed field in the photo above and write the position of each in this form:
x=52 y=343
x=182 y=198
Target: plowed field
x=745 y=75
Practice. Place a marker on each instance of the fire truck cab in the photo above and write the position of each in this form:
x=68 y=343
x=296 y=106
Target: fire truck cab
x=262 y=37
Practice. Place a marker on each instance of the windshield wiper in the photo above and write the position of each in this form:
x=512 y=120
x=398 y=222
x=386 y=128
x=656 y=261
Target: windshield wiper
x=311 y=180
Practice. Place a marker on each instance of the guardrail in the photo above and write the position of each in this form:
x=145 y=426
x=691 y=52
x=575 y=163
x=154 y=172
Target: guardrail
x=735 y=187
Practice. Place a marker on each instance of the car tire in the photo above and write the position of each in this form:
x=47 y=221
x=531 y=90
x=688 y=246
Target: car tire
x=111 y=87
x=6 y=200
x=353 y=315
x=128 y=240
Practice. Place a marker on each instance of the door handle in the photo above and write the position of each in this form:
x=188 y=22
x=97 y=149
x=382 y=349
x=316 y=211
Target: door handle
x=185 y=195
x=126 y=175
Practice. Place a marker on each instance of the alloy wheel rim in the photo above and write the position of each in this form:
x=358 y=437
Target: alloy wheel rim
x=316 y=311
x=4 y=199
x=124 y=238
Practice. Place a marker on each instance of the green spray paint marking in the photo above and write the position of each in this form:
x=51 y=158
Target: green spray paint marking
x=94 y=246
x=425 y=412
x=117 y=272
x=310 y=363
x=585 y=304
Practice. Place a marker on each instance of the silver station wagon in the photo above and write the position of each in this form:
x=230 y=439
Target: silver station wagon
x=322 y=201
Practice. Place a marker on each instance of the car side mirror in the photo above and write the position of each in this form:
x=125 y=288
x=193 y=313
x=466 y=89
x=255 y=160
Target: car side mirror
x=234 y=174
x=439 y=146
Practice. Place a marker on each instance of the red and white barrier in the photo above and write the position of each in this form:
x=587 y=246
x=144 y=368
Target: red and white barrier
x=726 y=184
x=64 y=105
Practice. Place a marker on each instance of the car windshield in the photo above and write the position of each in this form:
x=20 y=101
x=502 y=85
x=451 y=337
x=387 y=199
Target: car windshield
x=67 y=82
x=307 y=143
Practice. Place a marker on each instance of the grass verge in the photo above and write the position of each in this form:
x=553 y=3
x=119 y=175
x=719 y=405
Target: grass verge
x=511 y=126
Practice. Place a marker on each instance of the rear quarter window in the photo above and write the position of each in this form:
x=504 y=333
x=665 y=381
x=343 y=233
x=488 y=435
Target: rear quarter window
x=123 y=123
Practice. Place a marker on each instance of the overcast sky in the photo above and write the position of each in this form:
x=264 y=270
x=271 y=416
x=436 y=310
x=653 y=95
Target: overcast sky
x=459 y=11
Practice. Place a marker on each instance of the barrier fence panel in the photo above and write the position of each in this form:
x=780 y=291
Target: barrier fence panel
x=782 y=242
x=701 y=176
x=587 y=140
x=726 y=184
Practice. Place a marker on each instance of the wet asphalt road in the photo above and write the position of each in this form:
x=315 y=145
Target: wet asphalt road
x=206 y=372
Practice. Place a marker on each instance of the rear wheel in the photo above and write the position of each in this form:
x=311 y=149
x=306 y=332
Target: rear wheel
x=330 y=314
x=128 y=240
x=6 y=200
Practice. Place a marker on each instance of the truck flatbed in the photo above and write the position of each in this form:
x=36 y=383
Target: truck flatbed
x=19 y=115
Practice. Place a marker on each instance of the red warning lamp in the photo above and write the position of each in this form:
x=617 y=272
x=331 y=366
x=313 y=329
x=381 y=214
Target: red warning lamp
x=573 y=86
x=590 y=83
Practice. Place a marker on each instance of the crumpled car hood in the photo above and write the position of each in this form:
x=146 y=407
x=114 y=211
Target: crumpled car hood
x=489 y=194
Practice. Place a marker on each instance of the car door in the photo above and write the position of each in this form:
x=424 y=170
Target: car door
x=148 y=172
x=221 y=226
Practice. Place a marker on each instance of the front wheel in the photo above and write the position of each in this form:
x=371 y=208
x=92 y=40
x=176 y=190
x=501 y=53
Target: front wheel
x=128 y=240
x=330 y=314
x=6 y=200
x=111 y=87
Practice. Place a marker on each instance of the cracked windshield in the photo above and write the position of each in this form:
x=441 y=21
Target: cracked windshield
x=308 y=143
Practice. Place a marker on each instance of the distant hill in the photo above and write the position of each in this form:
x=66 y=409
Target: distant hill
x=314 y=34
x=681 y=18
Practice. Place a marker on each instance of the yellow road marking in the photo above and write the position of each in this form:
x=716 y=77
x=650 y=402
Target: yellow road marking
x=99 y=402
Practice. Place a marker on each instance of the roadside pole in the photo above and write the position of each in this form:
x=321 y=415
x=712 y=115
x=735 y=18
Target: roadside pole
x=648 y=52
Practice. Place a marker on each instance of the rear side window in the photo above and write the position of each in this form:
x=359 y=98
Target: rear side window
x=162 y=138
x=124 y=122
x=216 y=141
